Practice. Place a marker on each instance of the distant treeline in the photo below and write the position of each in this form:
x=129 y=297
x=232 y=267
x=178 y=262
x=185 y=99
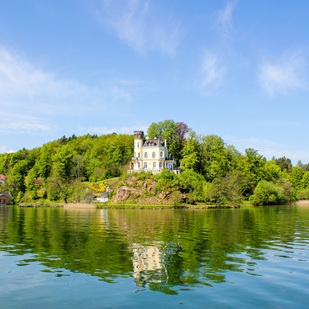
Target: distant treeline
x=63 y=165
x=214 y=172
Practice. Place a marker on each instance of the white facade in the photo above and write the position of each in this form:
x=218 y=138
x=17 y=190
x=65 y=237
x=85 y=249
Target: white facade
x=150 y=154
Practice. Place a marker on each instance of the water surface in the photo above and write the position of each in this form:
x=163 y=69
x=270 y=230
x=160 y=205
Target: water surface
x=64 y=258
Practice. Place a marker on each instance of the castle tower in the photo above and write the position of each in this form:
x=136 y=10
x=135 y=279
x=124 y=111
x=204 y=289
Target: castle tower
x=138 y=144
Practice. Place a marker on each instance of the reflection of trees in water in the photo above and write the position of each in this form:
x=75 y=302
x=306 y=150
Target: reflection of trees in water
x=165 y=249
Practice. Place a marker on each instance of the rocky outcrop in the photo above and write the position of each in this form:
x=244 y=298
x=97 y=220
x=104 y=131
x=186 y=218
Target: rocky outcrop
x=139 y=191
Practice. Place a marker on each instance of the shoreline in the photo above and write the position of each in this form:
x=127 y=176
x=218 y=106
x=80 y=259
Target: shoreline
x=148 y=206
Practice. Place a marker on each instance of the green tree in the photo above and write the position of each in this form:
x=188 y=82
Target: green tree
x=272 y=171
x=190 y=155
x=267 y=193
x=213 y=157
x=174 y=134
x=284 y=163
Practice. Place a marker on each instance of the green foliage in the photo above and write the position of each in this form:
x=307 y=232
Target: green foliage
x=284 y=163
x=174 y=133
x=192 y=183
x=227 y=190
x=190 y=157
x=268 y=193
x=272 y=171
x=212 y=171
x=296 y=177
x=166 y=181
x=176 y=198
x=63 y=164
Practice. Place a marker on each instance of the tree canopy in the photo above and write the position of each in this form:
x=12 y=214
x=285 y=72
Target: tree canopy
x=213 y=172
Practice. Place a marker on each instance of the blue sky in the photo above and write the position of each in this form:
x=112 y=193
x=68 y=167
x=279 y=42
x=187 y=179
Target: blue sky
x=237 y=69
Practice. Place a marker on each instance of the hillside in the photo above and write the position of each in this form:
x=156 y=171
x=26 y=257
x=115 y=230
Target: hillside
x=213 y=172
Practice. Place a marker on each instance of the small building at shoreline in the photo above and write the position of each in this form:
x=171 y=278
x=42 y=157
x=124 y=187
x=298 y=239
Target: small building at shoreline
x=5 y=198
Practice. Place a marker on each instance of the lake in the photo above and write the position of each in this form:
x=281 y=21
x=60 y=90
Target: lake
x=254 y=257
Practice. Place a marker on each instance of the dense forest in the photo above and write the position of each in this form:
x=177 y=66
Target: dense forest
x=213 y=172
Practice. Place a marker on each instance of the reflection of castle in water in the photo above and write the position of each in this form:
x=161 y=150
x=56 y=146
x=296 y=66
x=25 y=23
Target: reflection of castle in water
x=149 y=264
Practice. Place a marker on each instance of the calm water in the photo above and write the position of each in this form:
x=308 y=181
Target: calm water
x=57 y=258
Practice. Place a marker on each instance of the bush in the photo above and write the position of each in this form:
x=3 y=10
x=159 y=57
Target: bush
x=303 y=194
x=192 y=182
x=267 y=193
x=166 y=181
x=190 y=199
x=176 y=198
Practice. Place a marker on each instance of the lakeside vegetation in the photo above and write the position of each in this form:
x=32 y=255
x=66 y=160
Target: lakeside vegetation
x=214 y=173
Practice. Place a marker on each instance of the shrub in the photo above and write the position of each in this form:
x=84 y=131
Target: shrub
x=267 y=193
x=176 y=198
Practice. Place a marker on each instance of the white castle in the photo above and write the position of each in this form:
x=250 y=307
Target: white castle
x=151 y=155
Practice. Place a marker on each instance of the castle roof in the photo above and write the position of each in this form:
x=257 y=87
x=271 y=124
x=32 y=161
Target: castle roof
x=153 y=142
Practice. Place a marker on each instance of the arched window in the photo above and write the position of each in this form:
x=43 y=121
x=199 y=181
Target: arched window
x=146 y=154
x=139 y=155
x=161 y=154
x=139 y=164
x=137 y=144
x=153 y=155
x=160 y=164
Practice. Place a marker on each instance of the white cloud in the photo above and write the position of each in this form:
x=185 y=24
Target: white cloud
x=212 y=70
x=225 y=20
x=135 y=23
x=32 y=99
x=4 y=149
x=284 y=75
x=20 y=123
x=18 y=76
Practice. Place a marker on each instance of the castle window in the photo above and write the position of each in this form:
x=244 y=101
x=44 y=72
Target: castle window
x=137 y=144
x=146 y=155
x=153 y=154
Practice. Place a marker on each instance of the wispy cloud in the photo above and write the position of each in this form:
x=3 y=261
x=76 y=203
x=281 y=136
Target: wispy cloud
x=32 y=99
x=137 y=25
x=225 y=20
x=283 y=75
x=212 y=70
x=21 y=123
x=18 y=76
x=4 y=149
